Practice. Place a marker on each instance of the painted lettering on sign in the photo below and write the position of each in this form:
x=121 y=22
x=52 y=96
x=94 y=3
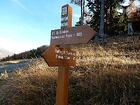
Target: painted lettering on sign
x=65 y=54
x=65 y=57
x=59 y=34
x=56 y=56
x=73 y=35
x=66 y=16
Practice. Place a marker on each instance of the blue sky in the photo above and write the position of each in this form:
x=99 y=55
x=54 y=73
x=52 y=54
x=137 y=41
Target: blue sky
x=26 y=24
x=137 y=2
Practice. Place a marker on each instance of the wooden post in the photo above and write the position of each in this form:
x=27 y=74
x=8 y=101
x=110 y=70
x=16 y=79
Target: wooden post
x=62 y=86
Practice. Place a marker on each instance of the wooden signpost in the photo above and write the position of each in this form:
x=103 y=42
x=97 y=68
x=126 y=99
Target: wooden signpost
x=64 y=57
x=73 y=35
x=66 y=16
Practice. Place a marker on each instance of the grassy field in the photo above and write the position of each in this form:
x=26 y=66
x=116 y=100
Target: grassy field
x=106 y=74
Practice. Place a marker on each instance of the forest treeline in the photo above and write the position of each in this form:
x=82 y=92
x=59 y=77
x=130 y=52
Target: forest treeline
x=116 y=16
x=117 y=20
x=34 y=53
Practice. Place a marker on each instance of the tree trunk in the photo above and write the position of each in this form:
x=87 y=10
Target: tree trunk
x=101 y=28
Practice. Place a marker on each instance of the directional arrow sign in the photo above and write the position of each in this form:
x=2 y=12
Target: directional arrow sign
x=49 y=56
x=74 y=35
x=56 y=56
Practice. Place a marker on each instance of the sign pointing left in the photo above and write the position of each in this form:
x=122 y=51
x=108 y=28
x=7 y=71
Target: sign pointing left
x=49 y=56
x=56 y=56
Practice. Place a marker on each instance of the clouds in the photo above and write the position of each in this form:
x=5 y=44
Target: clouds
x=15 y=45
x=76 y=17
x=137 y=2
x=21 y=5
x=27 y=24
x=4 y=53
x=19 y=38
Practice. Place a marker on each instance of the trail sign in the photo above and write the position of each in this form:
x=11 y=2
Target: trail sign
x=65 y=57
x=73 y=35
x=56 y=56
x=66 y=16
x=49 y=56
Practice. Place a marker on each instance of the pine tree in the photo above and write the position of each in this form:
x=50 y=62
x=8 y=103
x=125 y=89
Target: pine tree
x=112 y=22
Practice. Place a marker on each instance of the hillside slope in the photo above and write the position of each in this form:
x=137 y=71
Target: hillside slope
x=34 y=53
x=106 y=74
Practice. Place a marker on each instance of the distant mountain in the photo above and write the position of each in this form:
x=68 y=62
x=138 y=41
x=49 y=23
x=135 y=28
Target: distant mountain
x=34 y=53
x=4 y=53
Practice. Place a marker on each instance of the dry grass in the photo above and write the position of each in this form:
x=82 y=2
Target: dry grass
x=106 y=74
x=34 y=86
x=116 y=52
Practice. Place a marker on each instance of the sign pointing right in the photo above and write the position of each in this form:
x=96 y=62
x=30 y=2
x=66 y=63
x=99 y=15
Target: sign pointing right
x=74 y=35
